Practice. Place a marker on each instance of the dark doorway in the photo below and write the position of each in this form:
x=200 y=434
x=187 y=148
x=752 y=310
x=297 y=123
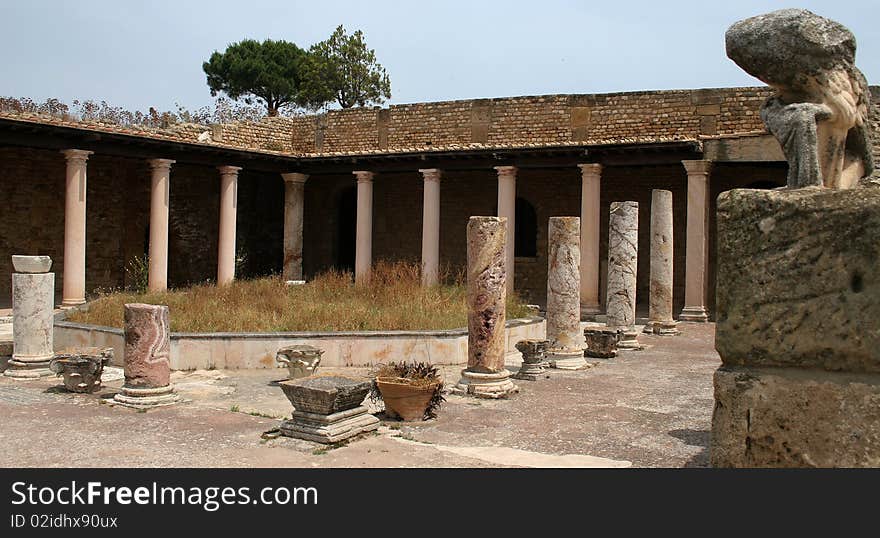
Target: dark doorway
x=526 y=224
x=346 y=228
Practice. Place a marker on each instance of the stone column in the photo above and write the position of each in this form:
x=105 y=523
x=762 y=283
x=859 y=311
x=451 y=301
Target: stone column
x=623 y=248
x=485 y=375
x=431 y=227
x=74 y=266
x=147 y=358
x=507 y=209
x=697 y=246
x=33 y=299
x=660 y=313
x=590 y=192
x=363 y=254
x=159 y=191
x=228 y=214
x=294 y=203
x=566 y=347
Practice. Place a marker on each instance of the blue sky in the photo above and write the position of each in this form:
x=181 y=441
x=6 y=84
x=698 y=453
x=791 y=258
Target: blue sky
x=149 y=53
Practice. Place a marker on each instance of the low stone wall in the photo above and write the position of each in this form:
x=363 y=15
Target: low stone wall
x=193 y=351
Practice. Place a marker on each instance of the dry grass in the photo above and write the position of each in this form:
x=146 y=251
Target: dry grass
x=395 y=300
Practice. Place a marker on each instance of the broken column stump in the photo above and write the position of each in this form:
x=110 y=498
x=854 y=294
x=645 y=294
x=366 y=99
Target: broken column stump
x=33 y=301
x=147 y=358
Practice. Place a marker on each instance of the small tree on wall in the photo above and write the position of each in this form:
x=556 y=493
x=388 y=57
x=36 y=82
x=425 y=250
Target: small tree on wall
x=344 y=70
x=270 y=72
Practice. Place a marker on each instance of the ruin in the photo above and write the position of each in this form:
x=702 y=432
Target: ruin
x=623 y=230
x=32 y=317
x=485 y=375
x=534 y=355
x=660 y=306
x=566 y=339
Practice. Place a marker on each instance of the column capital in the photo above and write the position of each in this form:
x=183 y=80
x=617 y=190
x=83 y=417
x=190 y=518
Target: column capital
x=590 y=169
x=431 y=174
x=364 y=176
x=160 y=164
x=76 y=155
x=698 y=167
x=294 y=177
x=505 y=171
x=229 y=170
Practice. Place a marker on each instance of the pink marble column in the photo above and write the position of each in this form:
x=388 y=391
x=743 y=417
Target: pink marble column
x=697 y=246
x=159 y=191
x=485 y=375
x=294 y=204
x=363 y=254
x=147 y=357
x=591 y=175
x=228 y=214
x=507 y=209
x=74 y=264
x=431 y=227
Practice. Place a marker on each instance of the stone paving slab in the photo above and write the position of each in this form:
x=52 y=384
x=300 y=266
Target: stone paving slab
x=649 y=408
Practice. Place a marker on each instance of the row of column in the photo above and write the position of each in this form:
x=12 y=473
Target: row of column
x=74 y=273
x=75 y=228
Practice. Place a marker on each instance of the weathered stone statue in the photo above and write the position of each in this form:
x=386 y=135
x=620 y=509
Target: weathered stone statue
x=820 y=111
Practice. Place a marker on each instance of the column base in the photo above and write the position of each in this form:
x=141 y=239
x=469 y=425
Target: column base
x=30 y=369
x=484 y=385
x=329 y=429
x=567 y=360
x=662 y=328
x=629 y=340
x=589 y=312
x=146 y=398
x=531 y=371
x=698 y=314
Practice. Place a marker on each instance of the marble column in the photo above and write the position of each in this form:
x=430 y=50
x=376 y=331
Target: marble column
x=33 y=299
x=660 y=301
x=147 y=358
x=623 y=247
x=159 y=191
x=431 y=227
x=697 y=246
x=363 y=254
x=507 y=209
x=566 y=347
x=294 y=203
x=74 y=265
x=590 y=192
x=485 y=375
x=228 y=215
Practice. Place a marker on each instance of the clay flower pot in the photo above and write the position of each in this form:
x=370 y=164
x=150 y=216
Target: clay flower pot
x=81 y=370
x=404 y=399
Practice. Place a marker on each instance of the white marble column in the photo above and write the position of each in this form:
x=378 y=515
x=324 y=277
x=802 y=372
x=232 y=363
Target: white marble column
x=159 y=192
x=228 y=215
x=507 y=209
x=294 y=204
x=591 y=175
x=431 y=227
x=623 y=250
x=363 y=254
x=566 y=338
x=33 y=297
x=660 y=300
x=74 y=264
x=697 y=246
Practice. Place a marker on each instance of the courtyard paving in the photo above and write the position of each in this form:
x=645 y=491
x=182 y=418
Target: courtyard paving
x=649 y=408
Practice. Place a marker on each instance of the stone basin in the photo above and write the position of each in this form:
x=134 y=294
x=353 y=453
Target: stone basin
x=326 y=394
x=31 y=264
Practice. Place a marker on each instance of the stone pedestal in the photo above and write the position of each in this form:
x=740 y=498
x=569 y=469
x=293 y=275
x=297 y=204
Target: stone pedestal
x=623 y=249
x=327 y=408
x=33 y=296
x=146 y=358
x=798 y=299
x=534 y=354
x=566 y=347
x=485 y=375
x=660 y=301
